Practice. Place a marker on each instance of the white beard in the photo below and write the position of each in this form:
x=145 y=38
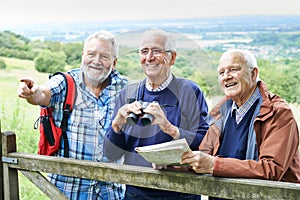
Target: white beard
x=96 y=80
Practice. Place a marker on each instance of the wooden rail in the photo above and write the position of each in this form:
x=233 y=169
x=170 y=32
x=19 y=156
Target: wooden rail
x=31 y=165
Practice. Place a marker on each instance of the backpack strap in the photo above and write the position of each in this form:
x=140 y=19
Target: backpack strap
x=132 y=92
x=67 y=107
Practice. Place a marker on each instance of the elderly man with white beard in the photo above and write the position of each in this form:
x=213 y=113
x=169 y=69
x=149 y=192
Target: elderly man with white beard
x=98 y=84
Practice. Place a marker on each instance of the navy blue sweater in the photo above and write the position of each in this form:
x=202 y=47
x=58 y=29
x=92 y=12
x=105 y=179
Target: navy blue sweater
x=185 y=107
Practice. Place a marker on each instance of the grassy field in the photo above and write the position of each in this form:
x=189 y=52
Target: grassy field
x=18 y=116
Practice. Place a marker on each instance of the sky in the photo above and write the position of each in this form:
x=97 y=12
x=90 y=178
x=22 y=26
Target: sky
x=58 y=11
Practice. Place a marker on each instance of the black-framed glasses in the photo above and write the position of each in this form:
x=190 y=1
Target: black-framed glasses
x=155 y=51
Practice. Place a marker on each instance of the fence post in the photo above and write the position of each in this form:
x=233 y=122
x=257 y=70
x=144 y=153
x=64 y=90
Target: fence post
x=10 y=175
x=1 y=167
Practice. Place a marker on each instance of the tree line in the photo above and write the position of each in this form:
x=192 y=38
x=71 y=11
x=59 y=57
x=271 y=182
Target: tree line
x=282 y=76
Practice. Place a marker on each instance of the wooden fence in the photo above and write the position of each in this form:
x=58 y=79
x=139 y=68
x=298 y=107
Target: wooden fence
x=31 y=166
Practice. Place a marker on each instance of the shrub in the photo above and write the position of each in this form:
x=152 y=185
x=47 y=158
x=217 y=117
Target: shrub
x=2 y=64
x=50 y=62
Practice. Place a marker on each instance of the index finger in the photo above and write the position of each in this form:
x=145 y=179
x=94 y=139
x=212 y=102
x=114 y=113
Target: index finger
x=29 y=82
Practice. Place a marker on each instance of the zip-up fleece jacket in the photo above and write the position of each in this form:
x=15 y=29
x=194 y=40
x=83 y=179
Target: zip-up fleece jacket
x=273 y=141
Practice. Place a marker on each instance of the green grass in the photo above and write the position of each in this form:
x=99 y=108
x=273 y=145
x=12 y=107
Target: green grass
x=14 y=63
x=18 y=116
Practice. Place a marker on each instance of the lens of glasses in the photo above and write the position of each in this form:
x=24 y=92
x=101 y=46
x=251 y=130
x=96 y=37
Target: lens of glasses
x=156 y=52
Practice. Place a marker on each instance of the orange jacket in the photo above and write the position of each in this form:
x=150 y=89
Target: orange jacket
x=277 y=141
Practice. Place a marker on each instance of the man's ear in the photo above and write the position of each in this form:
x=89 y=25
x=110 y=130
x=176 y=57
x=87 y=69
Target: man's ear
x=254 y=73
x=173 y=58
x=114 y=64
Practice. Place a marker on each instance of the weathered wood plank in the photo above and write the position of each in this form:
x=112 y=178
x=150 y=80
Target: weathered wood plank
x=1 y=167
x=44 y=185
x=147 y=177
x=10 y=175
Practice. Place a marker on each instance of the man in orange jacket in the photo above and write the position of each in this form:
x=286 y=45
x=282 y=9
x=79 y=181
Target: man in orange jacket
x=253 y=133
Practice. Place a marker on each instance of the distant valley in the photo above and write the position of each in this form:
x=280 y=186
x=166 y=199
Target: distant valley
x=268 y=36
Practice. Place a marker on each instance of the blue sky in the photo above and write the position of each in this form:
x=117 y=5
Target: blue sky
x=42 y=11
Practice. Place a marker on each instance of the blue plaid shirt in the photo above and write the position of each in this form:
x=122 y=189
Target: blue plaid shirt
x=87 y=124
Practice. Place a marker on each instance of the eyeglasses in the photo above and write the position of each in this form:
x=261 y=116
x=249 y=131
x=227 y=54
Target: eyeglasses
x=155 y=52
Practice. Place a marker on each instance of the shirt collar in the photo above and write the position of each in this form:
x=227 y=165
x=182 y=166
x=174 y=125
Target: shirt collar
x=163 y=86
x=241 y=111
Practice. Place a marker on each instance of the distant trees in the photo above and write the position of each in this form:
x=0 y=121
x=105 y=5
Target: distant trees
x=2 y=64
x=17 y=46
x=11 y=40
x=282 y=76
x=50 y=62
x=283 y=39
x=129 y=64
x=60 y=55
x=73 y=53
x=54 y=56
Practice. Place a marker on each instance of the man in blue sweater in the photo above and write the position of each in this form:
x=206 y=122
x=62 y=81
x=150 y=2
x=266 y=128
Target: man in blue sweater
x=177 y=105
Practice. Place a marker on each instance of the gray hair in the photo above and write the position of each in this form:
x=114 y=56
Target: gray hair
x=248 y=57
x=170 y=42
x=103 y=36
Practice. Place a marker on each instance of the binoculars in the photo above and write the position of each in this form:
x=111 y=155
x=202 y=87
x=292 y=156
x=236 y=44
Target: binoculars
x=146 y=118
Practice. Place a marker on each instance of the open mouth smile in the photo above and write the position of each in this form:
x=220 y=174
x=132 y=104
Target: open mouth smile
x=230 y=84
x=151 y=65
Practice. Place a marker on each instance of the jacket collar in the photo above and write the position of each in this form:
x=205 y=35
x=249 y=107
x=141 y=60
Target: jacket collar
x=266 y=109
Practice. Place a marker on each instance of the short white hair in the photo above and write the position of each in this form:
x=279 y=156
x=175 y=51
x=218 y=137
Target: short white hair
x=103 y=36
x=247 y=55
x=170 y=42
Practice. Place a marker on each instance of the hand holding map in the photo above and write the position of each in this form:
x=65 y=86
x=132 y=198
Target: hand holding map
x=167 y=153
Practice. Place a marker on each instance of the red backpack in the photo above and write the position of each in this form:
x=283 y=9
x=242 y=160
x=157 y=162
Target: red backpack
x=50 y=134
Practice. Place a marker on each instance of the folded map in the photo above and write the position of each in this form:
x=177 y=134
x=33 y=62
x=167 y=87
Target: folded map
x=167 y=153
